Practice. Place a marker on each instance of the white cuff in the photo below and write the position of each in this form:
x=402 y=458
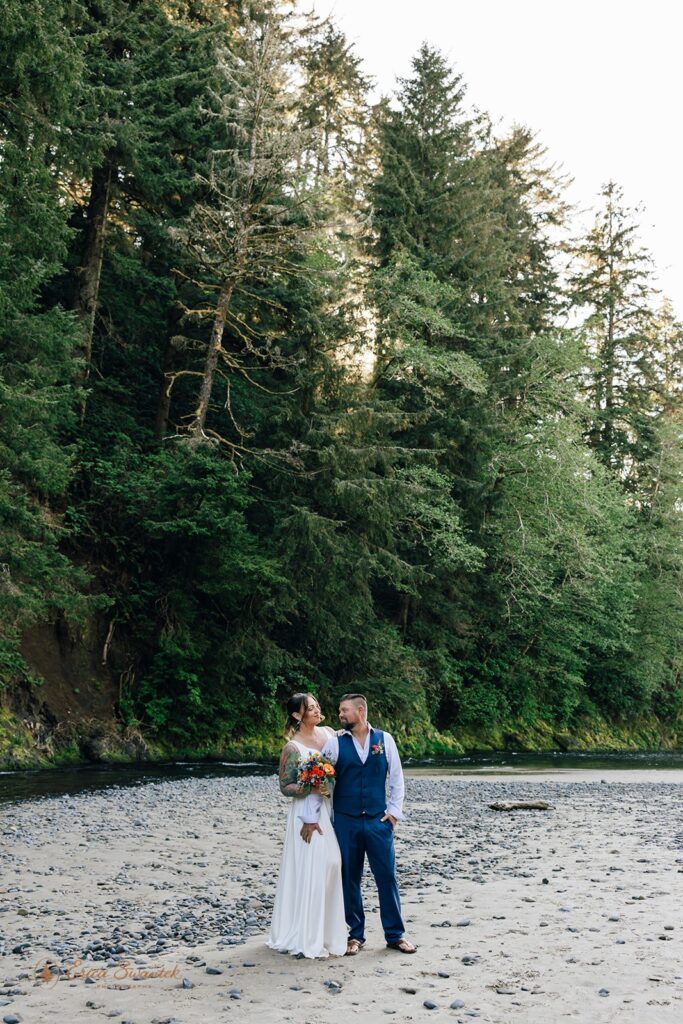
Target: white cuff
x=310 y=809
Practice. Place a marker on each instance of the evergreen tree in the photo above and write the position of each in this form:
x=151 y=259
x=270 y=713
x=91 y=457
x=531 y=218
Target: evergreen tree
x=39 y=78
x=135 y=130
x=559 y=601
x=613 y=288
x=425 y=147
x=658 y=665
x=472 y=212
x=667 y=333
x=332 y=106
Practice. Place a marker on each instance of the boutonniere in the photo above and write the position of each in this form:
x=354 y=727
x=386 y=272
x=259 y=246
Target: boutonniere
x=377 y=748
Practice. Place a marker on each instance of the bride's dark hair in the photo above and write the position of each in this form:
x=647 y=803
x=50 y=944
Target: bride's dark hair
x=295 y=705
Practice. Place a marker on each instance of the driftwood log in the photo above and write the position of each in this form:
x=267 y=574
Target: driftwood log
x=521 y=805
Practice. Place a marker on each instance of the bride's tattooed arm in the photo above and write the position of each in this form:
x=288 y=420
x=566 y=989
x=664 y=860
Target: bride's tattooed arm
x=289 y=769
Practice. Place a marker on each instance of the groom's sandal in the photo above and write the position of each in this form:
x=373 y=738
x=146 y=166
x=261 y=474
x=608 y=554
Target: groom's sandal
x=354 y=946
x=403 y=946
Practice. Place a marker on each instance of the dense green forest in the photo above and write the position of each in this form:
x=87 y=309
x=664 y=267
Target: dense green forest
x=300 y=391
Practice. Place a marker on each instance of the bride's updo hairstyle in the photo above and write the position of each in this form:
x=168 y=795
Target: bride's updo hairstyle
x=296 y=705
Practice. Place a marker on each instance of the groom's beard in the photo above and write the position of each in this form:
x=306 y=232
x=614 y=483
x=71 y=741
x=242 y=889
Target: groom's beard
x=349 y=726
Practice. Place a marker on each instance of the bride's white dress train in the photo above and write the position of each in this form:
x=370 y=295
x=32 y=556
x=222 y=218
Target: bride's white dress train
x=308 y=914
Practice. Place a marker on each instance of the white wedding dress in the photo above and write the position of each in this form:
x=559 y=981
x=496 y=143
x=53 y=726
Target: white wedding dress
x=308 y=914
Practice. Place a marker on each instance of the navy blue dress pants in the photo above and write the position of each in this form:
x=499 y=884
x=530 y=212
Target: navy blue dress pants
x=358 y=837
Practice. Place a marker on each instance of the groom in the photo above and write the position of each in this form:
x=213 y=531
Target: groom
x=364 y=822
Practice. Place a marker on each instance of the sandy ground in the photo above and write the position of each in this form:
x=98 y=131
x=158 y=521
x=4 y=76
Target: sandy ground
x=573 y=914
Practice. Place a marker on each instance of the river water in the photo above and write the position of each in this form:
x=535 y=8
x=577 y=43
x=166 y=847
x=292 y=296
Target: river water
x=666 y=766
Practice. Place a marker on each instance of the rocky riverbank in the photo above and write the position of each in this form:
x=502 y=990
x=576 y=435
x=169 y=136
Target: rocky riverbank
x=28 y=743
x=150 y=904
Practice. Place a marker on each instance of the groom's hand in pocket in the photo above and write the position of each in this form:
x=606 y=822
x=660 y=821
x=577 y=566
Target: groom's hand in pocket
x=307 y=831
x=391 y=818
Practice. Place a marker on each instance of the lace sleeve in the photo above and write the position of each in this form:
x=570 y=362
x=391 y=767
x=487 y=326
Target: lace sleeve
x=289 y=767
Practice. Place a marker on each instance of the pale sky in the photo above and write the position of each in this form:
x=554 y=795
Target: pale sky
x=599 y=81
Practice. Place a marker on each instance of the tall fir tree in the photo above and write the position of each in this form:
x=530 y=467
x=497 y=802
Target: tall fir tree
x=40 y=79
x=134 y=133
x=613 y=289
x=333 y=105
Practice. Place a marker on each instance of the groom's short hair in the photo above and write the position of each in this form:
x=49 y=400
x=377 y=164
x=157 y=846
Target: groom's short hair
x=358 y=698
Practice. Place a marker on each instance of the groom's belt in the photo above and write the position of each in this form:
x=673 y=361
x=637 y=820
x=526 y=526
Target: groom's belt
x=359 y=814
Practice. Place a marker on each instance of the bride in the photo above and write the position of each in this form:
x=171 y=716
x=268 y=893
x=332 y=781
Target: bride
x=308 y=914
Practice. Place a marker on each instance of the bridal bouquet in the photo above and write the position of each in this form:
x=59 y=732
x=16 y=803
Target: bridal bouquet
x=315 y=771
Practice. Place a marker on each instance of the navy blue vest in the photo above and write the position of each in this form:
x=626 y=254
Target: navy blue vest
x=361 y=788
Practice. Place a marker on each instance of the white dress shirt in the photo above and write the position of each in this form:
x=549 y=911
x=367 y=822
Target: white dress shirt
x=311 y=805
